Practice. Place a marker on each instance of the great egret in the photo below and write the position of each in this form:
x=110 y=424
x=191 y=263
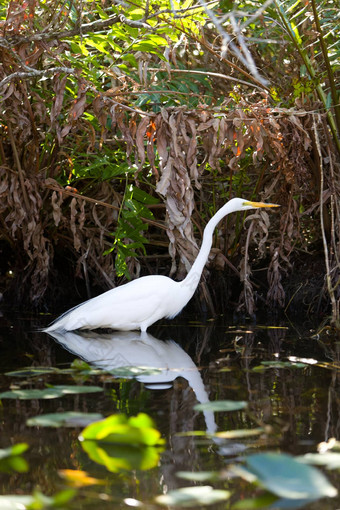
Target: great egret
x=141 y=302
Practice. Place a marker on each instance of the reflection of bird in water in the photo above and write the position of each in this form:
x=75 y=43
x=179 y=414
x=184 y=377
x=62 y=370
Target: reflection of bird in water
x=141 y=302
x=133 y=349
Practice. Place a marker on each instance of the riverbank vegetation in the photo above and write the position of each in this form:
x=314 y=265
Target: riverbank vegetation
x=126 y=125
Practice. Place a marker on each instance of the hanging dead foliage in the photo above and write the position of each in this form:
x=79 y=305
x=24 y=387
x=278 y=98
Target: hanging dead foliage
x=193 y=159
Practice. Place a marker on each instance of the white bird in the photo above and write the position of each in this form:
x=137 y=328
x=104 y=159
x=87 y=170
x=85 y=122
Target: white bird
x=140 y=303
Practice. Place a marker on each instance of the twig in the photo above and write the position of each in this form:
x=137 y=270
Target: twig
x=335 y=309
x=18 y=165
x=209 y=73
x=34 y=72
x=99 y=202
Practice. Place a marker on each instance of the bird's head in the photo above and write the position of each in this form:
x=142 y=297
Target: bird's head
x=240 y=204
x=247 y=204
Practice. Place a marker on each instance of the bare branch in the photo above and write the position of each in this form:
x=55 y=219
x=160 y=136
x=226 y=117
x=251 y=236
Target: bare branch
x=209 y=73
x=34 y=73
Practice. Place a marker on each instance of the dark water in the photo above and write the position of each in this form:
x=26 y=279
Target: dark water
x=296 y=405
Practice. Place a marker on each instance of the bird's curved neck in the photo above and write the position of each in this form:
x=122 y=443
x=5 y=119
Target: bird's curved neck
x=193 y=277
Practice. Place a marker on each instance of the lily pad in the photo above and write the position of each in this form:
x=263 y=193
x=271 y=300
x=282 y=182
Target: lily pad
x=221 y=405
x=277 y=364
x=16 y=449
x=330 y=460
x=236 y=434
x=199 y=476
x=50 y=392
x=67 y=419
x=193 y=497
x=286 y=477
x=122 y=457
x=15 y=502
x=134 y=371
x=11 y=459
x=120 y=429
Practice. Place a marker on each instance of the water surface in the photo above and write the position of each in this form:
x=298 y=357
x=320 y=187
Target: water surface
x=288 y=379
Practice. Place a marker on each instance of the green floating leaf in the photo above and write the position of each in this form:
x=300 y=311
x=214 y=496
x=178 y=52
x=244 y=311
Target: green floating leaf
x=32 y=371
x=193 y=497
x=221 y=405
x=118 y=428
x=200 y=476
x=330 y=460
x=286 y=477
x=15 y=463
x=122 y=443
x=236 y=434
x=67 y=419
x=11 y=460
x=50 y=392
x=78 y=366
x=277 y=364
x=134 y=371
x=16 y=449
x=122 y=457
x=256 y=503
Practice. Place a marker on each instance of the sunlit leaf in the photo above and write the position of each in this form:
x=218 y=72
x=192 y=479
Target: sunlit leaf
x=11 y=459
x=118 y=428
x=199 y=476
x=286 y=477
x=78 y=478
x=48 y=393
x=134 y=371
x=16 y=449
x=193 y=497
x=122 y=443
x=330 y=460
x=15 y=502
x=66 y=419
x=233 y=434
x=221 y=405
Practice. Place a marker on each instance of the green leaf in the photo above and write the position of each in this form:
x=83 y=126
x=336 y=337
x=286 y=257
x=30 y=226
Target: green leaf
x=288 y=478
x=118 y=457
x=32 y=371
x=11 y=460
x=48 y=393
x=193 y=497
x=259 y=503
x=277 y=364
x=134 y=371
x=16 y=449
x=66 y=419
x=120 y=429
x=236 y=434
x=221 y=405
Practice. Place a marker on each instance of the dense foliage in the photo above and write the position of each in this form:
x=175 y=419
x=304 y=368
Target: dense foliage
x=125 y=125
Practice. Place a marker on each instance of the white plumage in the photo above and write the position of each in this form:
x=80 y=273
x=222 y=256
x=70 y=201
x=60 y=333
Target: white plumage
x=140 y=303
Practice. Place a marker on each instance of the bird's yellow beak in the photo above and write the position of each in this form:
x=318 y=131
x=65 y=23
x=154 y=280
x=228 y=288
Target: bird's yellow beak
x=260 y=204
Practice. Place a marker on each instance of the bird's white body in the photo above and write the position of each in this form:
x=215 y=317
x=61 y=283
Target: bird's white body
x=154 y=297
x=140 y=303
